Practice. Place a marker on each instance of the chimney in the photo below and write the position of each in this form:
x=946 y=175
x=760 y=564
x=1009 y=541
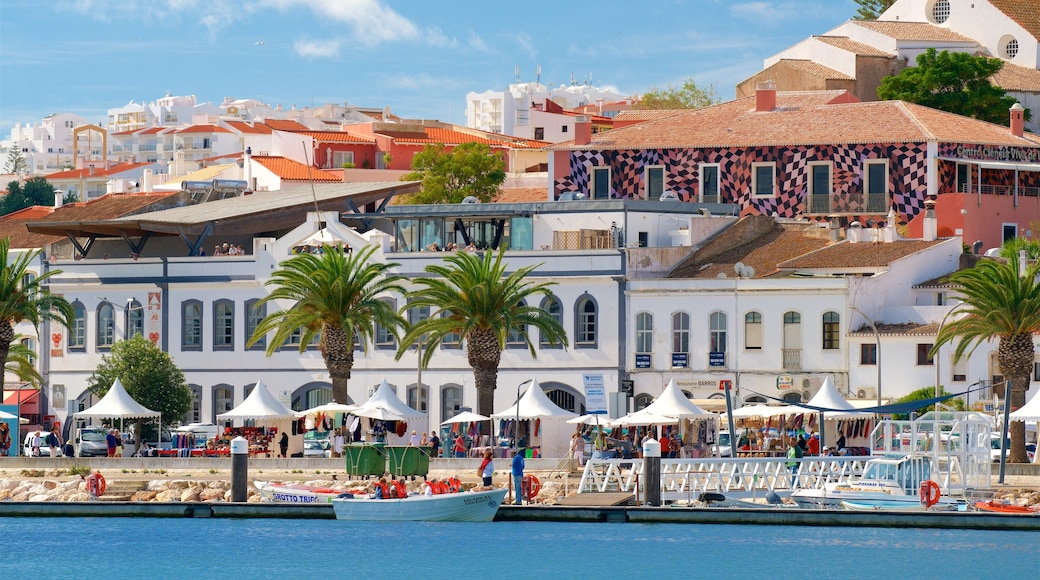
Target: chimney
x=835 y=229
x=855 y=233
x=59 y=198
x=247 y=167
x=930 y=230
x=148 y=181
x=765 y=96
x=1017 y=119
x=890 y=233
x=582 y=130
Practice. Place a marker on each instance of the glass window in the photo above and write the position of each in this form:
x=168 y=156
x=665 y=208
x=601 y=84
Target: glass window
x=831 y=338
x=924 y=355
x=868 y=354
x=224 y=325
x=432 y=234
x=418 y=398
x=341 y=158
x=554 y=308
x=763 y=179
x=644 y=333
x=223 y=401
x=710 y=184
x=106 y=326
x=877 y=186
x=191 y=325
x=753 y=331
x=134 y=319
x=654 y=182
x=515 y=336
x=408 y=236
x=820 y=185
x=296 y=337
x=254 y=314
x=384 y=336
x=451 y=339
x=600 y=183
x=521 y=233
x=717 y=323
x=451 y=402
x=78 y=331
x=30 y=345
x=681 y=332
x=586 y=323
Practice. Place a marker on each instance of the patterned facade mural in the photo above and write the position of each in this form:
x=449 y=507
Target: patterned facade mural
x=995 y=181
x=907 y=170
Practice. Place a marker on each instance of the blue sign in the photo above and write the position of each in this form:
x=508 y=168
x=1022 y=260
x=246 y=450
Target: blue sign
x=642 y=361
x=680 y=360
x=717 y=359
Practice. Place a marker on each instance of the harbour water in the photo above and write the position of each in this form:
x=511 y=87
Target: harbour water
x=158 y=548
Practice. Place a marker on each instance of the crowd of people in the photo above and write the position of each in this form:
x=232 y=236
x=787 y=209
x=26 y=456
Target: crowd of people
x=228 y=250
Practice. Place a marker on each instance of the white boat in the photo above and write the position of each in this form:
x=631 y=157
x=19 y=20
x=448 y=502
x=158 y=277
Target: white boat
x=886 y=483
x=273 y=491
x=466 y=506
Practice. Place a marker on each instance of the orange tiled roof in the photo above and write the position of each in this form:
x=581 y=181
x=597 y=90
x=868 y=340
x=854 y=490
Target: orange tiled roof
x=859 y=255
x=12 y=226
x=913 y=31
x=98 y=171
x=153 y=130
x=250 y=128
x=106 y=207
x=1012 y=77
x=763 y=253
x=816 y=69
x=847 y=44
x=1026 y=13
x=640 y=115
x=338 y=137
x=203 y=129
x=286 y=125
x=453 y=137
x=521 y=195
x=291 y=170
x=803 y=118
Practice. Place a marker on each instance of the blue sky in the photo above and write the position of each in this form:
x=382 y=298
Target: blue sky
x=419 y=57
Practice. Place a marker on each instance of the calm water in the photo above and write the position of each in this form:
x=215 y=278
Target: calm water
x=186 y=549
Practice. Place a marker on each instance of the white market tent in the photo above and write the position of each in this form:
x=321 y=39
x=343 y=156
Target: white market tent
x=327 y=408
x=1029 y=412
x=466 y=417
x=260 y=405
x=554 y=435
x=672 y=404
x=829 y=398
x=594 y=419
x=118 y=404
x=384 y=405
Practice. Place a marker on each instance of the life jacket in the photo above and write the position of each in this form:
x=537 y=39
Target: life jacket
x=384 y=490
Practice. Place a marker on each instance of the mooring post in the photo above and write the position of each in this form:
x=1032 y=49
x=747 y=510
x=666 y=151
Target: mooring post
x=652 y=472
x=239 y=469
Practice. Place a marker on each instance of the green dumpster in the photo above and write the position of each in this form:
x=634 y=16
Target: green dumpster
x=407 y=461
x=365 y=460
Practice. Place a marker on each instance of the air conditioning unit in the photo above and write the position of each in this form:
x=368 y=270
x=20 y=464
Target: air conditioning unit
x=866 y=392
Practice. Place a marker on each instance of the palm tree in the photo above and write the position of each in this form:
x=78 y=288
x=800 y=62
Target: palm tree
x=1001 y=303
x=20 y=362
x=23 y=296
x=334 y=295
x=472 y=297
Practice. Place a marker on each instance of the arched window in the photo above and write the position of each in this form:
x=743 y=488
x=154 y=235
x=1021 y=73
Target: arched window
x=831 y=328
x=223 y=400
x=194 y=414
x=106 y=328
x=753 y=331
x=515 y=336
x=717 y=330
x=255 y=312
x=191 y=325
x=224 y=325
x=792 y=341
x=642 y=401
x=451 y=401
x=644 y=333
x=30 y=345
x=554 y=308
x=384 y=338
x=134 y=319
x=680 y=333
x=78 y=330
x=418 y=398
x=586 y=331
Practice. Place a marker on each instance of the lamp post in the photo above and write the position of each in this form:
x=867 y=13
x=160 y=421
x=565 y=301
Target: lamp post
x=937 y=358
x=877 y=353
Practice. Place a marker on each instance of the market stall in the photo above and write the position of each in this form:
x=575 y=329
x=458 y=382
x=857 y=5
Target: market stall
x=273 y=418
x=536 y=424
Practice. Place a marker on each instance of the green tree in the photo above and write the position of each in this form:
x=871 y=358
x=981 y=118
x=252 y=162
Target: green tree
x=470 y=169
x=21 y=362
x=35 y=191
x=24 y=296
x=336 y=296
x=149 y=375
x=687 y=96
x=1014 y=245
x=471 y=296
x=871 y=9
x=956 y=82
x=998 y=303
x=15 y=164
x=927 y=393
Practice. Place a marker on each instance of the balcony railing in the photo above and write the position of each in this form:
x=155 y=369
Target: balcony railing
x=792 y=359
x=855 y=203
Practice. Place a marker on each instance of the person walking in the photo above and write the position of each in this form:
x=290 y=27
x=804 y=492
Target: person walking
x=518 y=478
x=435 y=445
x=283 y=444
x=119 y=443
x=110 y=441
x=578 y=449
x=487 y=468
x=460 y=446
x=54 y=443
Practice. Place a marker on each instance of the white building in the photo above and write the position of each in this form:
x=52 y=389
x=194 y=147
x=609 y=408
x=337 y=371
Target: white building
x=48 y=146
x=520 y=110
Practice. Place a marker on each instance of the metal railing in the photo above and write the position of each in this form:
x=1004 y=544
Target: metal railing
x=792 y=358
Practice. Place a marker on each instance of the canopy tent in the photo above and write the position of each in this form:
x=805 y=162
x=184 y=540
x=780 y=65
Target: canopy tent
x=761 y=411
x=8 y=416
x=553 y=431
x=466 y=417
x=642 y=417
x=1029 y=412
x=672 y=403
x=384 y=405
x=327 y=408
x=259 y=405
x=118 y=404
x=592 y=419
x=834 y=405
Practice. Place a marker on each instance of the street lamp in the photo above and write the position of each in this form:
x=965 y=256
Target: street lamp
x=877 y=352
x=937 y=357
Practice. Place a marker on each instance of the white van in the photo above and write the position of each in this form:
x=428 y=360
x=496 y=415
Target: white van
x=203 y=432
x=45 y=450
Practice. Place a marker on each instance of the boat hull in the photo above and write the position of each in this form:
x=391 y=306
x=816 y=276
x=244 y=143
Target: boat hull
x=469 y=506
x=1004 y=508
x=290 y=493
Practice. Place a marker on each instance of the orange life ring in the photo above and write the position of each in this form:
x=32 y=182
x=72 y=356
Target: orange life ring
x=96 y=484
x=929 y=493
x=397 y=489
x=530 y=486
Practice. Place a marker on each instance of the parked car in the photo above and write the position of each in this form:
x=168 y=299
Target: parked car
x=317 y=448
x=724 y=444
x=45 y=450
x=91 y=442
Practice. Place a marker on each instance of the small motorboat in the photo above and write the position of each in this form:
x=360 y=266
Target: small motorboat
x=891 y=481
x=465 y=506
x=1005 y=508
x=273 y=491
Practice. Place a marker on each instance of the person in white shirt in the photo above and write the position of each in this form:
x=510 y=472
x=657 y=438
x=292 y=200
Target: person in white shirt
x=414 y=441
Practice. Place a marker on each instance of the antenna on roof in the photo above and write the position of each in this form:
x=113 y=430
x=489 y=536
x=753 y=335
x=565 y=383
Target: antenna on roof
x=538 y=74
x=516 y=71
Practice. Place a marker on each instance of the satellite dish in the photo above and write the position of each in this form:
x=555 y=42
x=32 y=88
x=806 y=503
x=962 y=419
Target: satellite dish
x=470 y=199
x=739 y=268
x=669 y=196
x=749 y=271
x=580 y=196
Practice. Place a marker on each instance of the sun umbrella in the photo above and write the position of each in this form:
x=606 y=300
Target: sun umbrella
x=592 y=419
x=466 y=417
x=328 y=408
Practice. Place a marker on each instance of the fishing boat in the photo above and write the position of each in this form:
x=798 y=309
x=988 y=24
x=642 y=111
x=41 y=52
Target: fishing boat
x=891 y=482
x=466 y=506
x=1005 y=508
x=273 y=491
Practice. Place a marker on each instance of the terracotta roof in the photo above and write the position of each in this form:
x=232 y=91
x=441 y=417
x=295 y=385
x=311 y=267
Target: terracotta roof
x=338 y=137
x=98 y=171
x=12 y=226
x=203 y=129
x=286 y=125
x=1012 y=77
x=109 y=206
x=845 y=255
x=816 y=69
x=1026 y=13
x=913 y=31
x=803 y=118
x=251 y=128
x=521 y=195
x=847 y=44
x=898 y=329
x=449 y=136
x=763 y=253
x=290 y=169
x=640 y=115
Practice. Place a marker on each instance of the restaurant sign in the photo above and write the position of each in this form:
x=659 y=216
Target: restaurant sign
x=998 y=153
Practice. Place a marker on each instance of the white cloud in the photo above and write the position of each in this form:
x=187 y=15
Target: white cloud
x=435 y=37
x=524 y=40
x=372 y=21
x=317 y=48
